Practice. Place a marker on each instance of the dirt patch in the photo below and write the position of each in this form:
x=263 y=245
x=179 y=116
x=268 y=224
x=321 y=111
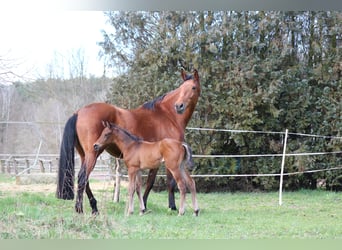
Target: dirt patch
x=12 y=187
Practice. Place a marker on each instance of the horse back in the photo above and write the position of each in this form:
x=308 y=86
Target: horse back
x=153 y=125
x=89 y=123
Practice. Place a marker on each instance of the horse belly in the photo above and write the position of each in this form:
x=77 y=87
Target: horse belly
x=151 y=163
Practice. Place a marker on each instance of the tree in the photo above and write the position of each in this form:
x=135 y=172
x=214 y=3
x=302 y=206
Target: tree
x=259 y=70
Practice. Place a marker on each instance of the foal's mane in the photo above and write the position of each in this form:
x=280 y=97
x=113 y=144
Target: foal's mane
x=131 y=136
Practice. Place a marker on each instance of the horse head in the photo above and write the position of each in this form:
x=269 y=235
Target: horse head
x=188 y=92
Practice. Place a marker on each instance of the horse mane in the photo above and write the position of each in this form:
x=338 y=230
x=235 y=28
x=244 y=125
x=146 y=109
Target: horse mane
x=188 y=77
x=131 y=136
x=151 y=104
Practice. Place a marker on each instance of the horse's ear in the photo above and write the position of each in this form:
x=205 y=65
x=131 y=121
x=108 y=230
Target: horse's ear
x=196 y=77
x=183 y=74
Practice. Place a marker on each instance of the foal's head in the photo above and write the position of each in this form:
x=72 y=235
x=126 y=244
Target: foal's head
x=113 y=134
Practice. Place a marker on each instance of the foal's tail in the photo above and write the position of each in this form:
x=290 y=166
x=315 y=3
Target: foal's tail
x=66 y=168
x=188 y=156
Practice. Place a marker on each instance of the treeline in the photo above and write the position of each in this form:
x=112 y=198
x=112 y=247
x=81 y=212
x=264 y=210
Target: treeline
x=47 y=104
x=260 y=71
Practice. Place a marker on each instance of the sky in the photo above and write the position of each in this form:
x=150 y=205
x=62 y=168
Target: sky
x=35 y=39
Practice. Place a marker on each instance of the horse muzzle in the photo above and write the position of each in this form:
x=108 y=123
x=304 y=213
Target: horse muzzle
x=180 y=108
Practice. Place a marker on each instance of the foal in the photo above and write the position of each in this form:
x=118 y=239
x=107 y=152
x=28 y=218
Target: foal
x=139 y=155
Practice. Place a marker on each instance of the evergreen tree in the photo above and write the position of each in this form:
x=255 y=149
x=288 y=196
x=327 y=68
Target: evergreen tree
x=260 y=71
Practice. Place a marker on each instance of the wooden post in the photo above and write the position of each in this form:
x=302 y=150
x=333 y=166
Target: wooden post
x=2 y=165
x=28 y=166
x=15 y=165
x=42 y=169
x=8 y=166
x=50 y=166
x=116 y=196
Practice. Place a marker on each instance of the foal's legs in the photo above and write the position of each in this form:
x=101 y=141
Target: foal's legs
x=138 y=186
x=132 y=173
x=177 y=175
x=190 y=183
x=170 y=184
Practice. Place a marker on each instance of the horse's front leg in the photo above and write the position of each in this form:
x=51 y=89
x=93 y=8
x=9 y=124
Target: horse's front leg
x=131 y=189
x=149 y=184
x=138 y=187
x=82 y=180
x=171 y=185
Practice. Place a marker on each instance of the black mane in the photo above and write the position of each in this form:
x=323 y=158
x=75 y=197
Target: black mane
x=188 y=77
x=131 y=136
x=150 y=105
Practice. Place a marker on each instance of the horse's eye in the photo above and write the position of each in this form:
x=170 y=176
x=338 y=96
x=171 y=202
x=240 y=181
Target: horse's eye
x=193 y=87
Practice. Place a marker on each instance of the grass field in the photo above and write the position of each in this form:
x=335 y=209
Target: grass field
x=303 y=215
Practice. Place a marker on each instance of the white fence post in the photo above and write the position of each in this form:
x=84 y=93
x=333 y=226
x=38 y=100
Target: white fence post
x=282 y=171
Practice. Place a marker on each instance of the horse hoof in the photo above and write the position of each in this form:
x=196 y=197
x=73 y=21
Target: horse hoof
x=79 y=210
x=196 y=212
x=95 y=213
x=142 y=212
x=129 y=213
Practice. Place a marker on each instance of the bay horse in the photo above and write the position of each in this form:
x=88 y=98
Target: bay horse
x=163 y=117
x=139 y=155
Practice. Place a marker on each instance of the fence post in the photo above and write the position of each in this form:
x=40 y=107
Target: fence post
x=8 y=165
x=28 y=166
x=116 y=196
x=282 y=171
x=2 y=164
x=50 y=166
x=42 y=169
x=15 y=166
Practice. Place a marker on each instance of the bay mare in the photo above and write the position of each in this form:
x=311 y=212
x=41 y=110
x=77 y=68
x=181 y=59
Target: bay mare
x=164 y=117
x=139 y=155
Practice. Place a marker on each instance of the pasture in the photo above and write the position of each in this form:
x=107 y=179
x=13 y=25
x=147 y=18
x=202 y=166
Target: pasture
x=33 y=212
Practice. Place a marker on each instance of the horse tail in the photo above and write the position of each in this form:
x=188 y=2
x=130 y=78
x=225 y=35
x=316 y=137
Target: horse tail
x=188 y=156
x=66 y=168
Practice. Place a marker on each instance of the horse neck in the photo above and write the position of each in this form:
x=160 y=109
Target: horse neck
x=188 y=112
x=124 y=142
x=180 y=119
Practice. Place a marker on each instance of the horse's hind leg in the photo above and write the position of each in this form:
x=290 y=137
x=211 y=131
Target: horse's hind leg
x=92 y=200
x=149 y=184
x=83 y=184
x=177 y=175
x=190 y=183
x=182 y=194
x=82 y=180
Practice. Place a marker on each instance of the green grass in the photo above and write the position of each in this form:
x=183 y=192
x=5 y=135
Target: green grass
x=304 y=215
